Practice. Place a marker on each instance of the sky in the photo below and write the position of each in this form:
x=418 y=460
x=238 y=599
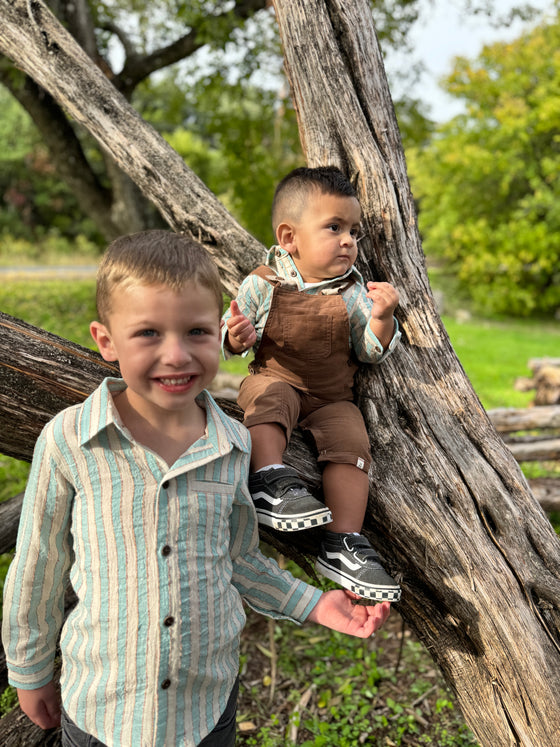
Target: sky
x=444 y=34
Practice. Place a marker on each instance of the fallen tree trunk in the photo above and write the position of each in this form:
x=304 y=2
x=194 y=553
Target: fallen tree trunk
x=538 y=450
x=449 y=509
x=547 y=491
x=510 y=419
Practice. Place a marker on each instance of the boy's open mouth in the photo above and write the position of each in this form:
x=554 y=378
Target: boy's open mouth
x=174 y=380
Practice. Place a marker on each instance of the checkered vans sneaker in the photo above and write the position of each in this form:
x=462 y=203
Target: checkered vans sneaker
x=283 y=502
x=349 y=560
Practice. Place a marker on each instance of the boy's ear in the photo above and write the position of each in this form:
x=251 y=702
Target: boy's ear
x=286 y=236
x=103 y=340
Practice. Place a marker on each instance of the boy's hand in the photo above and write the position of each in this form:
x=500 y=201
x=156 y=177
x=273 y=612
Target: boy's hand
x=336 y=610
x=42 y=705
x=241 y=333
x=385 y=300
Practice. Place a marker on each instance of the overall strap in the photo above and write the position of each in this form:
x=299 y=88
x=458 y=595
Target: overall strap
x=266 y=273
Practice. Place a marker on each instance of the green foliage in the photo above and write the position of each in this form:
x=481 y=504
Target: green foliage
x=487 y=182
x=241 y=140
x=13 y=477
x=35 y=204
x=51 y=250
x=8 y=701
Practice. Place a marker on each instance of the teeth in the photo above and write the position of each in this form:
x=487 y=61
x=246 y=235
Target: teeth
x=175 y=382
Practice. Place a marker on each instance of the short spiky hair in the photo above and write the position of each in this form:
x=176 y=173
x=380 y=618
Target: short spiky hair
x=154 y=258
x=292 y=192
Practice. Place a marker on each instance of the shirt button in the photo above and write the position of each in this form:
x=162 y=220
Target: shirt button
x=168 y=622
x=165 y=551
x=293 y=273
x=165 y=484
x=165 y=684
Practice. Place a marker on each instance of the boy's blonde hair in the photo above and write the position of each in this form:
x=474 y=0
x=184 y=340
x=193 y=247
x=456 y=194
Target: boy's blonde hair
x=154 y=257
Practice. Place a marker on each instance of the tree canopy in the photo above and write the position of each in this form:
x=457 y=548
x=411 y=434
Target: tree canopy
x=209 y=67
x=487 y=182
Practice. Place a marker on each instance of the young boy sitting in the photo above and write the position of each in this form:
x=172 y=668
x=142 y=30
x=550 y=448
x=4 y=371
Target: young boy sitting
x=310 y=319
x=138 y=498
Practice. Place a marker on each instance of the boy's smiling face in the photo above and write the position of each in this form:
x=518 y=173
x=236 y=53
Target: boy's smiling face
x=323 y=239
x=167 y=344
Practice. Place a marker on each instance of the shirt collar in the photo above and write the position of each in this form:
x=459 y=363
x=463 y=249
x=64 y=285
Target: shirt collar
x=283 y=264
x=99 y=412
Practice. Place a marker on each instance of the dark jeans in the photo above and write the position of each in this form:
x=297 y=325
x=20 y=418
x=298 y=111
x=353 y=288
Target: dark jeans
x=223 y=734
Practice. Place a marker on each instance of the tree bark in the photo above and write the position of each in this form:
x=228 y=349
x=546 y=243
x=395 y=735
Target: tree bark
x=450 y=512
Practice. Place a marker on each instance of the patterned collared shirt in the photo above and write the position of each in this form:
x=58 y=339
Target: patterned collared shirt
x=159 y=557
x=255 y=295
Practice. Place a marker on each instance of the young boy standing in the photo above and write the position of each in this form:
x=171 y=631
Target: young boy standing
x=137 y=497
x=311 y=319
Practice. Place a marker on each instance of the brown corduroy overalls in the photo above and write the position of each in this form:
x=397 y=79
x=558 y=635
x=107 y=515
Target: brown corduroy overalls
x=303 y=372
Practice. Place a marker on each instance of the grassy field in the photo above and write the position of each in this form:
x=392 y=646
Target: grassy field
x=307 y=686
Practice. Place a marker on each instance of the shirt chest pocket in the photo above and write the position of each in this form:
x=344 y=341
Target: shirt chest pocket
x=213 y=506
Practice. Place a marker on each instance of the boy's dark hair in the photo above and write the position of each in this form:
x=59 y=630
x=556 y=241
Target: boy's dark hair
x=154 y=257
x=292 y=191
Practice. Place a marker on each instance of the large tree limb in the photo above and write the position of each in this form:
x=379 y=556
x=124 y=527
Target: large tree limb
x=450 y=508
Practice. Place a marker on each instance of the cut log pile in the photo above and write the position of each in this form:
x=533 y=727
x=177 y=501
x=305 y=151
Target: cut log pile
x=533 y=435
x=545 y=381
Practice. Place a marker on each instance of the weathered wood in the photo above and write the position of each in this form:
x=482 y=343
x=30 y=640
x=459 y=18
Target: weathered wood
x=510 y=419
x=545 y=382
x=547 y=491
x=449 y=507
x=535 y=364
x=16 y=730
x=540 y=450
x=10 y=511
x=449 y=511
x=40 y=374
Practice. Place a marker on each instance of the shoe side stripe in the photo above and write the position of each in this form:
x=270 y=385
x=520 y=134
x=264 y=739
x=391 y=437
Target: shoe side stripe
x=268 y=498
x=343 y=559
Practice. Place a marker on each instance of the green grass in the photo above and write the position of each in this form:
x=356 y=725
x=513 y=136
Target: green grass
x=495 y=353
x=62 y=307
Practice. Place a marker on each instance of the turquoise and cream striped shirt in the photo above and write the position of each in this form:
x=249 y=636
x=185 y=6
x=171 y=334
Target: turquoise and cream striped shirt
x=159 y=557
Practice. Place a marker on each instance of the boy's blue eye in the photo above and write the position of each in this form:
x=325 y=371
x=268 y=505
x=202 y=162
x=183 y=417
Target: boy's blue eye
x=197 y=331
x=148 y=333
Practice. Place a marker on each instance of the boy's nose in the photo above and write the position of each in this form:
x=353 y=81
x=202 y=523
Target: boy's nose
x=176 y=352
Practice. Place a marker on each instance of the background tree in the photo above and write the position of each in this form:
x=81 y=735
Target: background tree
x=487 y=181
